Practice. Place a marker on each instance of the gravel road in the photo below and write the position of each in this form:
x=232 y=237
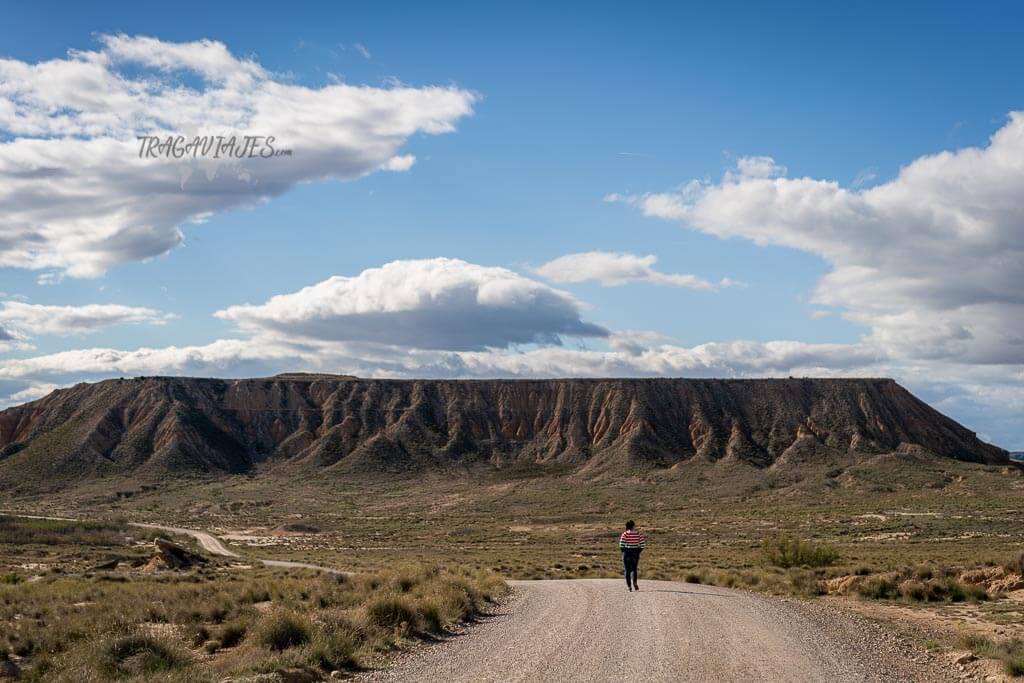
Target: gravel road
x=593 y=630
x=207 y=542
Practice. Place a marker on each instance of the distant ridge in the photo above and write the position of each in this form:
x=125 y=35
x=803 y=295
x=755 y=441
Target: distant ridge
x=166 y=425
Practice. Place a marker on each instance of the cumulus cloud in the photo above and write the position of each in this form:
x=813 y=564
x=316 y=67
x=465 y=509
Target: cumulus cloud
x=756 y=167
x=613 y=269
x=36 y=319
x=931 y=262
x=77 y=199
x=431 y=303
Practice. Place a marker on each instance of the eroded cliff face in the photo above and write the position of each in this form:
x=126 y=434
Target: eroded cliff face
x=161 y=424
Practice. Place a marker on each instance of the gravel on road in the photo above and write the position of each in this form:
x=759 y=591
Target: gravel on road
x=594 y=630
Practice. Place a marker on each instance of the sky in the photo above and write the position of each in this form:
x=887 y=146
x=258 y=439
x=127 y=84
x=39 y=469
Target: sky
x=518 y=190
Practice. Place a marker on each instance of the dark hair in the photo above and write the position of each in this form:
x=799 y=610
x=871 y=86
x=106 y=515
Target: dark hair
x=630 y=524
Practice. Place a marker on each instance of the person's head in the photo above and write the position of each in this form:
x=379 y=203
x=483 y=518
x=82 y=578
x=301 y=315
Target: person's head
x=629 y=525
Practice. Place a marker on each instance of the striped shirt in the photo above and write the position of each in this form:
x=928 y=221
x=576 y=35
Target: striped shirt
x=632 y=540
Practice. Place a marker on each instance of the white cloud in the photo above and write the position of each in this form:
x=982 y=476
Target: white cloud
x=432 y=303
x=29 y=393
x=635 y=342
x=232 y=357
x=11 y=340
x=76 y=198
x=748 y=168
x=612 y=269
x=36 y=319
x=361 y=49
x=932 y=261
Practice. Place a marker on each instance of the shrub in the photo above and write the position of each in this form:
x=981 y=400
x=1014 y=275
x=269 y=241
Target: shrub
x=1009 y=652
x=137 y=654
x=788 y=551
x=199 y=635
x=11 y=579
x=1015 y=564
x=805 y=583
x=391 y=612
x=893 y=587
x=232 y=634
x=918 y=591
x=430 y=616
x=282 y=630
x=879 y=588
x=334 y=644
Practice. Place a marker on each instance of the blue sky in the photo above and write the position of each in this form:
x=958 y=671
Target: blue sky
x=570 y=105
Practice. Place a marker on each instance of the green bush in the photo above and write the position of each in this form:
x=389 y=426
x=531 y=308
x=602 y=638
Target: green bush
x=789 y=551
x=11 y=579
x=283 y=630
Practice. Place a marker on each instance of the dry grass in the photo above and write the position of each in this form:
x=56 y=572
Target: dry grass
x=1009 y=652
x=207 y=624
x=923 y=584
x=29 y=531
x=775 y=581
x=1015 y=564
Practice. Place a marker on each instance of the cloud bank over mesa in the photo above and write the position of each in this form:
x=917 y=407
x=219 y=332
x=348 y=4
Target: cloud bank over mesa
x=441 y=318
x=77 y=199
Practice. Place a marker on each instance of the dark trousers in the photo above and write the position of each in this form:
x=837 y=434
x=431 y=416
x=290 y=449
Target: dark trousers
x=631 y=560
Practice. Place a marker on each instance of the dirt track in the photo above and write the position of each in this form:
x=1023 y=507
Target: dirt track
x=213 y=545
x=593 y=630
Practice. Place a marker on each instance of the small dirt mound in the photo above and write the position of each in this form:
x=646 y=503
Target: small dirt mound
x=995 y=579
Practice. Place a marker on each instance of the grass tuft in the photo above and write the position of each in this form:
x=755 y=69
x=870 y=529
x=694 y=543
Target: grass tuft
x=1009 y=652
x=789 y=551
x=391 y=612
x=281 y=630
x=136 y=655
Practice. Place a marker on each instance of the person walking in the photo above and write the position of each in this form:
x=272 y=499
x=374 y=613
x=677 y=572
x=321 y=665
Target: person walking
x=631 y=543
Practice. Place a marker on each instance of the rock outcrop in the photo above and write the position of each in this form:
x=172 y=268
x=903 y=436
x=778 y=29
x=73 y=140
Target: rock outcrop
x=170 y=555
x=159 y=425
